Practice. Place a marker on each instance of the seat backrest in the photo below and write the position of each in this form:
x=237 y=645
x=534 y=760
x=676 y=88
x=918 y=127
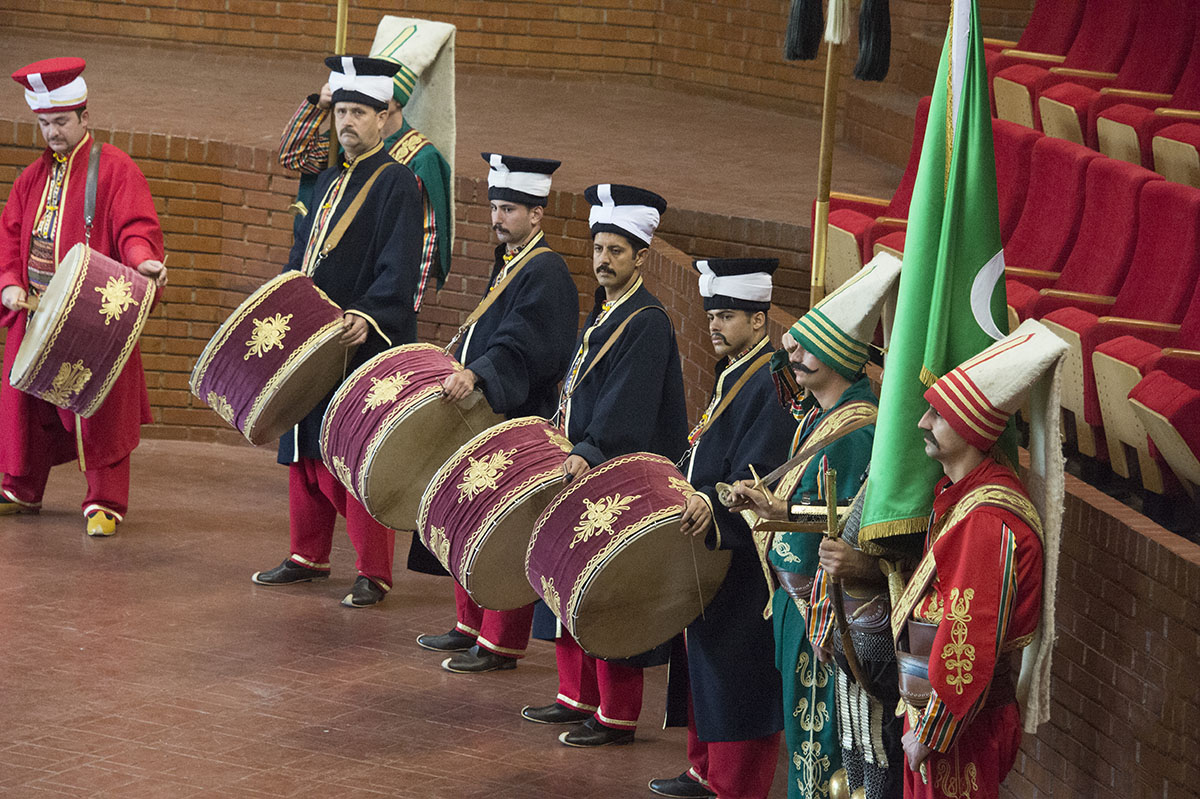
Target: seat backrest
x=1014 y=150
x=1053 y=205
x=1189 y=327
x=1108 y=228
x=1187 y=86
x=1166 y=260
x=902 y=197
x=1052 y=26
x=1160 y=47
x=1104 y=34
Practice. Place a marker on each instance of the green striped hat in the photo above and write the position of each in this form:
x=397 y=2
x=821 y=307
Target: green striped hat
x=394 y=50
x=839 y=329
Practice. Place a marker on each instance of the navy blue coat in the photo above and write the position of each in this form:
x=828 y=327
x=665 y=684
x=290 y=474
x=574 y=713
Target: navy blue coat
x=735 y=686
x=521 y=347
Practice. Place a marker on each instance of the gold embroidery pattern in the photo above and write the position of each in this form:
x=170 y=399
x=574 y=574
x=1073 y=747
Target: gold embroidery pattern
x=811 y=764
x=550 y=595
x=268 y=333
x=221 y=406
x=116 y=297
x=784 y=551
x=343 y=473
x=71 y=379
x=599 y=517
x=958 y=655
x=439 y=544
x=386 y=390
x=956 y=785
x=682 y=486
x=933 y=610
x=558 y=439
x=483 y=473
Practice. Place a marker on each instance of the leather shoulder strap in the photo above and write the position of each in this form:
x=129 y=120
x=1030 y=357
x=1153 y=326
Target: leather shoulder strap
x=89 y=192
x=495 y=292
x=339 y=230
x=613 y=340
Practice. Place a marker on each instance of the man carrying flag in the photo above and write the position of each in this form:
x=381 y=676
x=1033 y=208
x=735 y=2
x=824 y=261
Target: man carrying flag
x=950 y=299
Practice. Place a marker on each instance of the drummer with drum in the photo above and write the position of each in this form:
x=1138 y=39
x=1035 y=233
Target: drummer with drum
x=515 y=349
x=361 y=245
x=623 y=393
x=43 y=218
x=733 y=733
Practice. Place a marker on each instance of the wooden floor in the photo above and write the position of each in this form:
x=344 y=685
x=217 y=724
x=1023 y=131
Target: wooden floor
x=148 y=665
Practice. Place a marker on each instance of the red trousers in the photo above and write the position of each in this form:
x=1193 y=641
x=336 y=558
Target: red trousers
x=976 y=763
x=501 y=632
x=733 y=769
x=315 y=499
x=107 y=487
x=612 y=691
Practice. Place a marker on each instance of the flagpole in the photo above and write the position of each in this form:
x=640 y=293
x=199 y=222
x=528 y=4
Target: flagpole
x=339 y=48
x=833 y=52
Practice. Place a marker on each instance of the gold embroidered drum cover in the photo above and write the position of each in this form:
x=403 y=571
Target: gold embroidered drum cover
x=480 y=507
x=608 y=558
x=387 y=430
x=273 y=359
x=84 y=330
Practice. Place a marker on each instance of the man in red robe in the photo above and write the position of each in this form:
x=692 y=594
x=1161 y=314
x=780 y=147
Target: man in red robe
x=43 y=218
x=976 y=599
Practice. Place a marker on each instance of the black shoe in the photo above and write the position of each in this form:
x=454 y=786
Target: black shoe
x=554 y=714
x=453 y=641
x=682 y=787
x=477 y=661
x=289 y=572
x=366 y=592
x=593 y=733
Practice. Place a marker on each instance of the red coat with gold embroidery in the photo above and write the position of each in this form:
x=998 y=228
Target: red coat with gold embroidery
x=986 y=597
x=126 y=229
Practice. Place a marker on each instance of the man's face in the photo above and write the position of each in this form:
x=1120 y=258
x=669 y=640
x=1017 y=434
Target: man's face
x=731 y=331
x=513 y=222
x=359 y=126
x=942 y=442
x=809 y=371
x=62 y=130
x=614 y=260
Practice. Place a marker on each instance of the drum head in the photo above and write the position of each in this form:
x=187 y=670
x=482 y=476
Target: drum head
x=409 y=454
x=302 y=384
x=495 y=576
x=645 y=593
x=51 y=305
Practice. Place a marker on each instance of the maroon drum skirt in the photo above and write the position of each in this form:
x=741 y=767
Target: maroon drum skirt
x=274 y=359
x=479 y=509
x=387 y=431
x=608 y=558
x=83 y=332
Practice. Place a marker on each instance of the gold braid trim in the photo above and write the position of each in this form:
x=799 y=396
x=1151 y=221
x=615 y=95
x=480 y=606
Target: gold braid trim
x=326 y=334
x=131 y=339
x=408 y=145
x=60 y=320
x=500 y=509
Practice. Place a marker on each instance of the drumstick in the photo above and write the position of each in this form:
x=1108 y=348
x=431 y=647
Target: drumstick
x=30 y=303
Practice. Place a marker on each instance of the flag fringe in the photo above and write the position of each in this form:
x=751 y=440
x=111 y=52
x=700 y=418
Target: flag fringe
x=888 y=529
x=927 y=377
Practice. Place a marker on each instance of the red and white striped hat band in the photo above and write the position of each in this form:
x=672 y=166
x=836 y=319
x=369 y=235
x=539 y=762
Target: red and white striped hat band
x=54 y=84
x=977 y=397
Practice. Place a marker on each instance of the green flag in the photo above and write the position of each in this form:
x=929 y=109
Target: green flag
x=951 y=296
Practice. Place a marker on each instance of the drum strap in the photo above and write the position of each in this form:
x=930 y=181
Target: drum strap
x=613 y=340
x=494 y=294
x=727 y=400
x=89 y=192
x=339 y=230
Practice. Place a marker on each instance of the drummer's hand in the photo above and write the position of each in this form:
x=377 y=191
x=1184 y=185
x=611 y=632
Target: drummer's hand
x=354 y=330
x=915 y=751
x=747 y=497
x=822 y=654
x=843 y=562
x=12 y=296
x=574 y=467
x=458 y=386
x=697 y=517
x=325 y=99
x=154 y=270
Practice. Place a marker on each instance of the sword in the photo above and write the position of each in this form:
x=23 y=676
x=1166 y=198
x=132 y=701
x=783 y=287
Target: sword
x=834 y=532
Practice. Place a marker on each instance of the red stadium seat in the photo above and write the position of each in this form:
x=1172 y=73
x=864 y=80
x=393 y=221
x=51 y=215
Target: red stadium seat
x=1167 y=402
x=1159 y=51
x=1104 y=246
x=855 y=222
x=1157 y=288
x=1124 y=122
x=1100 y=45
x=1119 y=364
x=1050 y=31
x=1177 y=153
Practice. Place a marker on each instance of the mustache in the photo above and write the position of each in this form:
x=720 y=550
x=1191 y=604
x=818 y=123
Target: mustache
x=721 y=337
x=929 y=437
x=499 y=228
x=799 y=367
x=604 y=270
